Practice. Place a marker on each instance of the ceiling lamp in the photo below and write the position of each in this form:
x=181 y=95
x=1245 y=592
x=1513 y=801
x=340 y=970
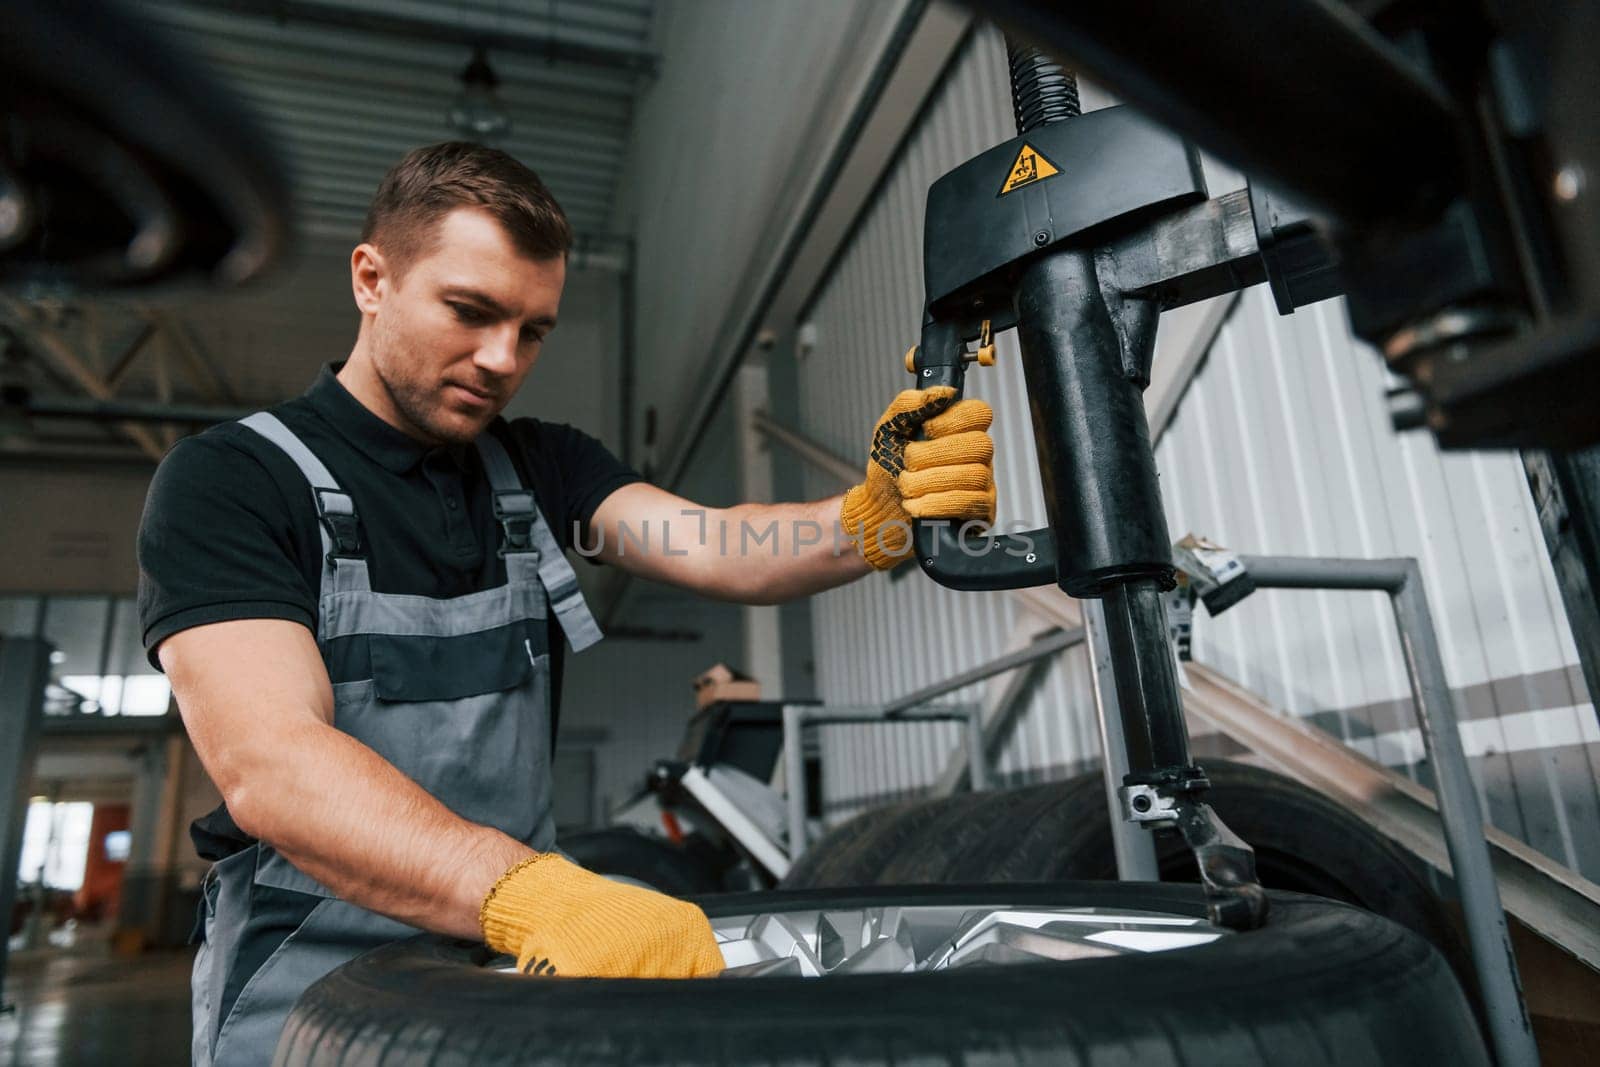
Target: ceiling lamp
x=478 y=113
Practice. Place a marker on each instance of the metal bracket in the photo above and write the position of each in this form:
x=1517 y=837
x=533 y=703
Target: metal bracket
x=1227 y=865
x=1234 y=895
x=1145 y=804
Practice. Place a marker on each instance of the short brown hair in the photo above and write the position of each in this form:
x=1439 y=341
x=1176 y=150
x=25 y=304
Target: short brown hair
x=432 y=181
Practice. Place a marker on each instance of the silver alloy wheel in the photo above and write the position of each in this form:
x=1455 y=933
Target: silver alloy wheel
x=899 y=940
x=902 y=940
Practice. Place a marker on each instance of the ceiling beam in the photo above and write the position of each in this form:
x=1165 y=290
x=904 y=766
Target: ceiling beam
x=202 y=371
x=394 y=24
x=164 y=412
x=46 y=342
x=125 y=361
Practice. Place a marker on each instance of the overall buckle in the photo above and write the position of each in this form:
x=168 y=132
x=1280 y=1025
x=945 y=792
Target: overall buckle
x=337 y=513
x=516 y=514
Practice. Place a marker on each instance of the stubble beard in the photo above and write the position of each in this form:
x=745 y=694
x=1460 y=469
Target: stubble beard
x=415 y=402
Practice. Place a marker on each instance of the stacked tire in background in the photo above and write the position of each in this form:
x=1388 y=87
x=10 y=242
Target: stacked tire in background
x=1060 y=831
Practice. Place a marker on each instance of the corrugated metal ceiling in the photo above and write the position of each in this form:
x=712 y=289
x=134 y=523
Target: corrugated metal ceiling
x=348 y=86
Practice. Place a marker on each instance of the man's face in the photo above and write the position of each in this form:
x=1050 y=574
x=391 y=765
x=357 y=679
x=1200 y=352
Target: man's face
x=454 y=337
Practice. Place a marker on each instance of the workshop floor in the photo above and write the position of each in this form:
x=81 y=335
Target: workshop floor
x=86 y=1007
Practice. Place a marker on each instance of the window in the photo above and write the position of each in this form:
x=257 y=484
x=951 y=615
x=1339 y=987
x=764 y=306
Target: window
x=55 y=844
x=98 y=666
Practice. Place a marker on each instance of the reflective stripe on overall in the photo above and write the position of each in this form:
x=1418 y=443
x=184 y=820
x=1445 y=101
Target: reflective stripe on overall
x=455 y=693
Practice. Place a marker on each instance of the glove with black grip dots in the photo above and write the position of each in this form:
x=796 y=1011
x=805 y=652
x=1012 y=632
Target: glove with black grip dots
x=946 y=474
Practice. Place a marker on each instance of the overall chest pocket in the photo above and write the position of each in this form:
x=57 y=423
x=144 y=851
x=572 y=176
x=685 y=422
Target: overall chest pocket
x=408 y=669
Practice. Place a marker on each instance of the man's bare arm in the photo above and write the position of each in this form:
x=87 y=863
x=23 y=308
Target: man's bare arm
x=750 y=554
x=256 y=700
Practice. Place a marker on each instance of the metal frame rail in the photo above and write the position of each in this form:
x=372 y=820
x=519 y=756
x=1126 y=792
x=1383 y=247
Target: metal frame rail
x=1459 y=814
x=797 y=717
x=1462 y=819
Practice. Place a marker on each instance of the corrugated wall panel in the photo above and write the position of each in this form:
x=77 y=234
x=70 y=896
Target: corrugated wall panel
x=1282 y=446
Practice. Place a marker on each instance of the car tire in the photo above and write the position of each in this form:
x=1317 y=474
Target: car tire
x=856 y=852
x=1304 y=841
x=1322 y=983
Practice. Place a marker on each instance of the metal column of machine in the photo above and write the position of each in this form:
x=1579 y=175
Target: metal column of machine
x=1134 y=849
x=1078 y=233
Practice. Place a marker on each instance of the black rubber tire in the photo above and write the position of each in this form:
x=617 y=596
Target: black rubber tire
x=856 y=852
x=658 y=864
x=1322 y=983
x=805 y=871
x=1304 y=843
x=977 y=842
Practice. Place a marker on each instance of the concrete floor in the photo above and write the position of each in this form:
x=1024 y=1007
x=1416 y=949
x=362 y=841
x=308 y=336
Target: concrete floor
x=83 y=1006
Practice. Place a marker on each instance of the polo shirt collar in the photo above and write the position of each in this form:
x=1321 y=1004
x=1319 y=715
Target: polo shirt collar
x=383 y=444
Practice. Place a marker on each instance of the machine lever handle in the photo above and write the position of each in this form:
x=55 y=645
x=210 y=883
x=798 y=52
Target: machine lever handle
x=992 y=561
x=986 y=562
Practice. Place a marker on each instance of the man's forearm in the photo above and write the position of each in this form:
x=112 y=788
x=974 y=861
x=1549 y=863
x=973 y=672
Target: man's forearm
x=345 y=816
x=749 y=554
x=773 y=553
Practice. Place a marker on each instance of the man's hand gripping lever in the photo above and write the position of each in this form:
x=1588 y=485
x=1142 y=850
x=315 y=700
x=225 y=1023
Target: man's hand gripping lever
x=559 y=919
x=931 y=458
x=948 y=551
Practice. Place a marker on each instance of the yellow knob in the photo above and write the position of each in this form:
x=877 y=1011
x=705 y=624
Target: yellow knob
x=986 y=345
x=911 y=360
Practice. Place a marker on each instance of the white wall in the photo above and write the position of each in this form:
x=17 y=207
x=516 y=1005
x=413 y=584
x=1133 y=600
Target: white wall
x=723 y=141
x=1283 y=447
x=66 y=529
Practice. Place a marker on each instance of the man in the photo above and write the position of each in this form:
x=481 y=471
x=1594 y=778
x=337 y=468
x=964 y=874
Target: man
x=360 y=599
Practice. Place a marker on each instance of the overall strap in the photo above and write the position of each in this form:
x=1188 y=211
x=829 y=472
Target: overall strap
x=529 y=546
x=344 y=568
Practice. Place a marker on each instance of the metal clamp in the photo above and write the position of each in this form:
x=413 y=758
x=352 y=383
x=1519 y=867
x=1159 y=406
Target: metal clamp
x=1234 y=896
x=1144 y=803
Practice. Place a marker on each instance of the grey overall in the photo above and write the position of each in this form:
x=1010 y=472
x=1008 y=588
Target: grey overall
x=455 y=693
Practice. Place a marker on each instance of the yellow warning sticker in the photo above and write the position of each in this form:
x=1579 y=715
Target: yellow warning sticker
x=1030 y=167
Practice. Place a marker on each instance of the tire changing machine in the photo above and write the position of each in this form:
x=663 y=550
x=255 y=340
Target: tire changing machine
x=1078 y=233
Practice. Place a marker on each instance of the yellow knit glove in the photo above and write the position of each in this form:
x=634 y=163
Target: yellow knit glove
x=559 y=919
x=949 y=474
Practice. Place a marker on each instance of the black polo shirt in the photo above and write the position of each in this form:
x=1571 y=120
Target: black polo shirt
x=230 y=530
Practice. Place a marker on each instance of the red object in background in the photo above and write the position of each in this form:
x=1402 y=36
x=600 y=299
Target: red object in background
x=673 y=827
x=102 y=877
